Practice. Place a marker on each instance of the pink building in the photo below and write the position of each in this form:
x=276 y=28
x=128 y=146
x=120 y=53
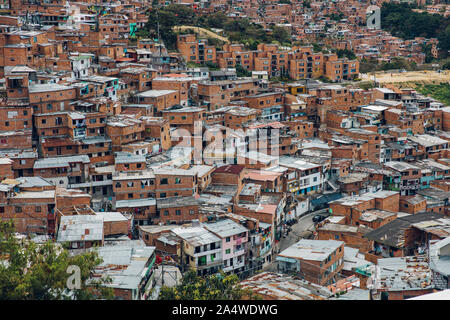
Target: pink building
x=234 y=243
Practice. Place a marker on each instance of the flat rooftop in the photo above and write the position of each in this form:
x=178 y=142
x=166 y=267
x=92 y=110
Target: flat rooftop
x=317 y=250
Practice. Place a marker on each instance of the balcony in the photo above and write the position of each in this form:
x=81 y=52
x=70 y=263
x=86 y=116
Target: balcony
x=90 y=184
x=217 y=263
x=79 y=133
x=228 y=269
x=264 y=250
x=239 y=252
x=239 y=265
x=209 y=251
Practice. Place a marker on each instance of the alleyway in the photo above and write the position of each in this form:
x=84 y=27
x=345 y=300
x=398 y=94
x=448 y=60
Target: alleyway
x=302 y=229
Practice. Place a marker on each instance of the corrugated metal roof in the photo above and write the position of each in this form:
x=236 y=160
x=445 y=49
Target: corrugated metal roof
x=317 y=250
x=196 y=236
x=225 y=228
x=59 y=162
x=80 y=228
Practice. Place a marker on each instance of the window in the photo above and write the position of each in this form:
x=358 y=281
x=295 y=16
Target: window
x=228 y=251
x=163 y=181
x=18 y=209
x=38 y=209
x=130 y=196
x=162 y=195
x=166 y=212
x=228 y=239
x=177 y=180
x=191 y=211
x=178 y=212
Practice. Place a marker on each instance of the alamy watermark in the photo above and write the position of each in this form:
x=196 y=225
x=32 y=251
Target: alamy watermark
x=74 y=280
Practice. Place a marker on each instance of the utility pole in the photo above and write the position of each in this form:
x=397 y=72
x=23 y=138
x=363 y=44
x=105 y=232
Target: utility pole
x=162 y=270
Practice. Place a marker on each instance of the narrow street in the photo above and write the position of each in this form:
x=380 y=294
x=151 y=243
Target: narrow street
x=299 y=230
x=302 y=229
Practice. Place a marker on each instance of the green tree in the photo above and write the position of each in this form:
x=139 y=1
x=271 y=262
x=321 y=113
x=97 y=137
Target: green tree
x=242 y=72
x=31 y=271
x=398 y=63
x=237 y=30
x=215 y=20
x=336 y=16
x=444 y=40
x=346 y=53
x=317 y=47
x=215 y=287
x=324 y=79
x=426 y=48
x=168 y=17
x=281 y=34
x=402 y=21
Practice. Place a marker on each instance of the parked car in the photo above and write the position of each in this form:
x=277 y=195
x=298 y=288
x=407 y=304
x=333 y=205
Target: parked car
x=291 y=222
x=318 y=218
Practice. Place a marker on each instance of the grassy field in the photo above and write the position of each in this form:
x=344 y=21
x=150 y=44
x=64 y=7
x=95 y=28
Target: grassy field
x=440 y=92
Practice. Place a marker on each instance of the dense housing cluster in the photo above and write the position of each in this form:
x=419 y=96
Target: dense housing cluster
x=112 y=142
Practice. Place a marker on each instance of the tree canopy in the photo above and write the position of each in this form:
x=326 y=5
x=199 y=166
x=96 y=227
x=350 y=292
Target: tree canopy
x=400 y=20
x=346 y=53
x=214 y=287
x=237 y=30
x=242 y=72
x=32 y=271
